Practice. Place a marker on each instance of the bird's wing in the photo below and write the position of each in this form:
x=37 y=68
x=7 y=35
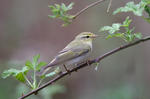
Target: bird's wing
x=69 y=53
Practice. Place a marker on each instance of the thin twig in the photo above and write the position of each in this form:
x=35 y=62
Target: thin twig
x=98 y=59
x=40 y=82
x=84 y=9
x=28 y=81
x=109 y=5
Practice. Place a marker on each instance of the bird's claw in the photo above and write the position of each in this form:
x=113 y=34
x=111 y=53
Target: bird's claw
x=67 y=69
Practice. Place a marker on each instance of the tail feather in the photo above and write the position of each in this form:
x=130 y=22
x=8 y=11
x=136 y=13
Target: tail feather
x=45 y=69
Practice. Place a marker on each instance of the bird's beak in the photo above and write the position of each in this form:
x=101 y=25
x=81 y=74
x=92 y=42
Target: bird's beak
x=95 y=36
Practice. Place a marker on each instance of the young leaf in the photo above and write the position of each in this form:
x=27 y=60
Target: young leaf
x=111 y=29
x=19 y=74
x=29 y=64
x=147 y=9
x=97 y=64
x=35 y=59
x=50 y=74
x=121 y=35
x=127 y=35
x=20 y=77
x=41 y=64
x=63 y=7
x=9 y=72
x=138 y=35
x=60 y=12
x=147 y=19
x=146 y=1
x=127 y=22
x=137 y=9
x=52 y=16
x=57 y=6
x=56 y=71
x=70 y=6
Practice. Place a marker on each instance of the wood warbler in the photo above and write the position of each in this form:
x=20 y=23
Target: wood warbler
x=77 y=51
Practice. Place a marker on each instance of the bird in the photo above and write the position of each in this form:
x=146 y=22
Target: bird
x=76 y=52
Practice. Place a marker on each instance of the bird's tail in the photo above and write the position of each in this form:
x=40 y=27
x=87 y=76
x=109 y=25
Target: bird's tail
x=45 y=69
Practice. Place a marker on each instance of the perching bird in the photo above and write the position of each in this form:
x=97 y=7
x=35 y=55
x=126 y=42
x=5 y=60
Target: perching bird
x=75 y=52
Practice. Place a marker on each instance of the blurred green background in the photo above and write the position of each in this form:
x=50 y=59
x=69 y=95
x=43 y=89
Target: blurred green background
x=26 y=30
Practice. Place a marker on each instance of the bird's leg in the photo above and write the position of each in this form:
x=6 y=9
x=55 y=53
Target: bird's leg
x=76 y=66
x=66 y=69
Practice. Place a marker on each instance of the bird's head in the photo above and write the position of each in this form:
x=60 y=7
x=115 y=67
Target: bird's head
x=86 y=36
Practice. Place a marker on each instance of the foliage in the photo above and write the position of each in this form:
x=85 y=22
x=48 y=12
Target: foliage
x=18 y=74
x=22 y=75
x=61 y=12
x=55 y=72
x=114 y=31
x=137 y=9
x=147 y=9
x=96 y=65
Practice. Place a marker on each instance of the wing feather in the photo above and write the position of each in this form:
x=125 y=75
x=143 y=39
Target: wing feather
x=70 y=52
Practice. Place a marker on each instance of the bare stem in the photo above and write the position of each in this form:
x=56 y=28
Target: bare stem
x=89 y=6
x=109 y=5
x=30 y=85
x=40 y=82
x=98 y=59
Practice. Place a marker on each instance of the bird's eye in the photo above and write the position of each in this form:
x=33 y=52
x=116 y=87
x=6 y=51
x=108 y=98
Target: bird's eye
x=87 y=36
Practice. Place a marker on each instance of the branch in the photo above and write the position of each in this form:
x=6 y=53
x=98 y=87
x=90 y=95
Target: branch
x=98 y=59
x=84 y=9
x=109 y=5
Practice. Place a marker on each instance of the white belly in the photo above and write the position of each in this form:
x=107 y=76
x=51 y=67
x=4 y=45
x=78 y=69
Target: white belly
x=78 y=60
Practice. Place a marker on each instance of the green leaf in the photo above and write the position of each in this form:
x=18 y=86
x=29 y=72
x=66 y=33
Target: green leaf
x=127 y=22
x=147 y=9
x=116 y=27
x=121 y=35
x=19 y=74
x=138 y=35
x=9 y=72
x=137 y=9
x=70 y=6
x=63 y=7
x=35 y=59
x=20 y=77
x=97 y=64
x=50 y=74
x=128 y=35
x=56 y=71
x=51 y=7
x=111 y=29
x=29 y=64
x=61 y=12
x=57 y=6
x=146 y=1
x=51 y=16
x=147 y=19
x=41 y=64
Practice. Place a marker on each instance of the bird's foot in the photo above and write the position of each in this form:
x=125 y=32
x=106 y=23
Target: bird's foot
x=88 y=62
x=67 y=69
